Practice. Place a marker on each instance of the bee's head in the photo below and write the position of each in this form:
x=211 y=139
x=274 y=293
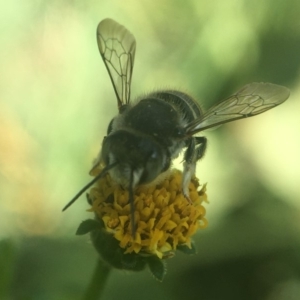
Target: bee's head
x=136 y=156
x=131 y=159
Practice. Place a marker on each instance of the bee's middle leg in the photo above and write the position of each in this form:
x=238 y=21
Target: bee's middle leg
x=195 y=150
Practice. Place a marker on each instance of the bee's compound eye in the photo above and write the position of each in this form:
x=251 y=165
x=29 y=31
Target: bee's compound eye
x=153 y=165
x=154 y=155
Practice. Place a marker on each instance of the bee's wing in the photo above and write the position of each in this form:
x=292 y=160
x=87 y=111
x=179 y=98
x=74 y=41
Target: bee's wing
x=117 y=48
x=253 y=99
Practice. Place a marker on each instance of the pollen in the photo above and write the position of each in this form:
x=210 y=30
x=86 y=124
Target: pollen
x=164 y=218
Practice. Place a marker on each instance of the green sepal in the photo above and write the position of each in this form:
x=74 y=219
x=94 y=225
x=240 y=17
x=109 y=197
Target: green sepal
x=111 y=252
x=88 y=226
x=186 y=250
x=133 y=262
x=157 y=267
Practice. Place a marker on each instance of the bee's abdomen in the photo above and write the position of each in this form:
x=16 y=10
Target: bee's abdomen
x=183 y=103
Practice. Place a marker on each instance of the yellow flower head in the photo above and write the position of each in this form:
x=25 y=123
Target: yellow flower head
x=165 y=219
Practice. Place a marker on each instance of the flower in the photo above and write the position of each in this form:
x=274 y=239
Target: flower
x=165 y=219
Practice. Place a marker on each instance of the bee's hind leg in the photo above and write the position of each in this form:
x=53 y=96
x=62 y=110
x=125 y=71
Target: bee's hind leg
x=195 y=150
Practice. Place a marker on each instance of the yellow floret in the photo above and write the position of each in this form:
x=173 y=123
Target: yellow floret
x=164 y=218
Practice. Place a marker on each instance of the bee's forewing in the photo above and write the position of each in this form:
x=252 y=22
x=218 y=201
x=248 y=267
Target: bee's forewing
x=117 y=48
x=251 y=100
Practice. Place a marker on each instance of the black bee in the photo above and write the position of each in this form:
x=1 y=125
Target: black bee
x=147 y=134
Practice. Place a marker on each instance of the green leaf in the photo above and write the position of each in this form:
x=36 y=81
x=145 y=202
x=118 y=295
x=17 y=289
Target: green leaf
x=157 y=267
x=87 y=226
x=186 y=250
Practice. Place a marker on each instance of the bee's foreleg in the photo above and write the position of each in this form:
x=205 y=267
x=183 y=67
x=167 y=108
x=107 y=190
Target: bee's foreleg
x=195 y=151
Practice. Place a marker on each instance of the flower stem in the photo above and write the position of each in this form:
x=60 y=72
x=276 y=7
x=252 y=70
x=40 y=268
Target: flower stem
x=96 y=286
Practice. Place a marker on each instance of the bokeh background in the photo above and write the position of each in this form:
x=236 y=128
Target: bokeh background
x=56 y=101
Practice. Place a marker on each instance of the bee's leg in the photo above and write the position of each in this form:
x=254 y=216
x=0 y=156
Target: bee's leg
x=195 y=151
x=201 y=142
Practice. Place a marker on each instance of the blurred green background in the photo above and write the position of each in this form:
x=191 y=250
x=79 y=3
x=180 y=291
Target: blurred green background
x=56 y=100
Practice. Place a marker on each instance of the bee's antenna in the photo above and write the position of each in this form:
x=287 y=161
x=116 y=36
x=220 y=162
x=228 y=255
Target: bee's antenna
x=131 y=202
x=103 y=172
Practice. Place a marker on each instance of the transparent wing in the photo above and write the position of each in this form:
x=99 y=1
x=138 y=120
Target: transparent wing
x=253 y=99
x=117 y=48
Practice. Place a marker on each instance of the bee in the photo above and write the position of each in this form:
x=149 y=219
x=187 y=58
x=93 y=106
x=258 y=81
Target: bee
x=149 y=133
